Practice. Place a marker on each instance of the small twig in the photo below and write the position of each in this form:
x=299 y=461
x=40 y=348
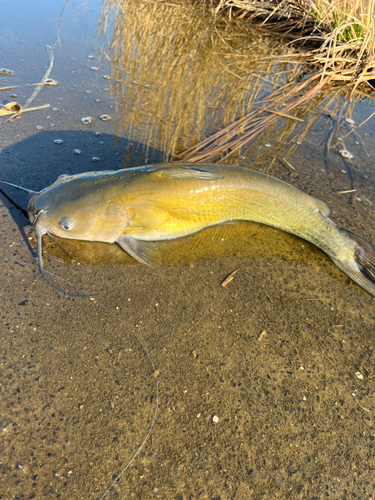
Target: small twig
x=272 y=302
x=229 y=278
x=46 y=75
x=262 y=335
x=50 y=83
x=363 y=408
x=278 y=114
x=288 y=164
x=364 y=197
x=367 y=119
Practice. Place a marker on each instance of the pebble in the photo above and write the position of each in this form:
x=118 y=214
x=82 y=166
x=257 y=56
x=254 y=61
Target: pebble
x=215 y=419
x=345 y=153
x=95 y=158
x=94 y=68
x=86 y=120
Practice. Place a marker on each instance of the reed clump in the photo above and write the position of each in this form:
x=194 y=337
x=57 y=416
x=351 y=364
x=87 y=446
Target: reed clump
x=337 y=37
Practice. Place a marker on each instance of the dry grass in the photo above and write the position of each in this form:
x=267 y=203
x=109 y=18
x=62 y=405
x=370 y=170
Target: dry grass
x=302 y=19
x=176 y=74
x=344 y=58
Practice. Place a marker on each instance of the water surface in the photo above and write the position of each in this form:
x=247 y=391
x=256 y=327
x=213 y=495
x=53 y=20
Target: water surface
x=283 y=355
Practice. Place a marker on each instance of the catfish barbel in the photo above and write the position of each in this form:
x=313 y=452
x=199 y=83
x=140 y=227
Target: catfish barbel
x=135 y=207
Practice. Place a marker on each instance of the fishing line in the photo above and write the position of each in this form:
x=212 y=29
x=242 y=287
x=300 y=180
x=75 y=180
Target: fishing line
x=140 y=342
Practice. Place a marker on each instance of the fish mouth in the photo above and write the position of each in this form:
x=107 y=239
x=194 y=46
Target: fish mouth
x=40 y=230
x=34 y=218
x=33 y=213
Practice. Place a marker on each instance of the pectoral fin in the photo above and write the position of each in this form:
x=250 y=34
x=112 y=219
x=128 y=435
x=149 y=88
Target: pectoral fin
x=142 y=251
x=186 y=172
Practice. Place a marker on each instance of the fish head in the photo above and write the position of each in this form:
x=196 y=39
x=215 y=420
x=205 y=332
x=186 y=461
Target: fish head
x=81 y=207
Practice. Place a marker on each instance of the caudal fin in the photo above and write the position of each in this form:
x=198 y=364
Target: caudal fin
x=360 y=266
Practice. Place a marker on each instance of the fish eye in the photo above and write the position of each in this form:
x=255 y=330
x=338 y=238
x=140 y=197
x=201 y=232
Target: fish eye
x=66 y=224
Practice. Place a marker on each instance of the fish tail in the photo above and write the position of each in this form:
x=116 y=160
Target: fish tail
x=359 y=264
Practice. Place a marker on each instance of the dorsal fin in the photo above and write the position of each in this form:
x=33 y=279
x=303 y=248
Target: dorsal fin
x=185 y=172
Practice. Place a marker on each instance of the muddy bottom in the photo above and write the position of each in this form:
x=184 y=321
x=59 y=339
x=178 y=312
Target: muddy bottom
x=265 y=385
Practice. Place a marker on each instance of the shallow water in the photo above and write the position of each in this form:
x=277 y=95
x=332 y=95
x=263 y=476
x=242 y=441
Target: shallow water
x=295 y=405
